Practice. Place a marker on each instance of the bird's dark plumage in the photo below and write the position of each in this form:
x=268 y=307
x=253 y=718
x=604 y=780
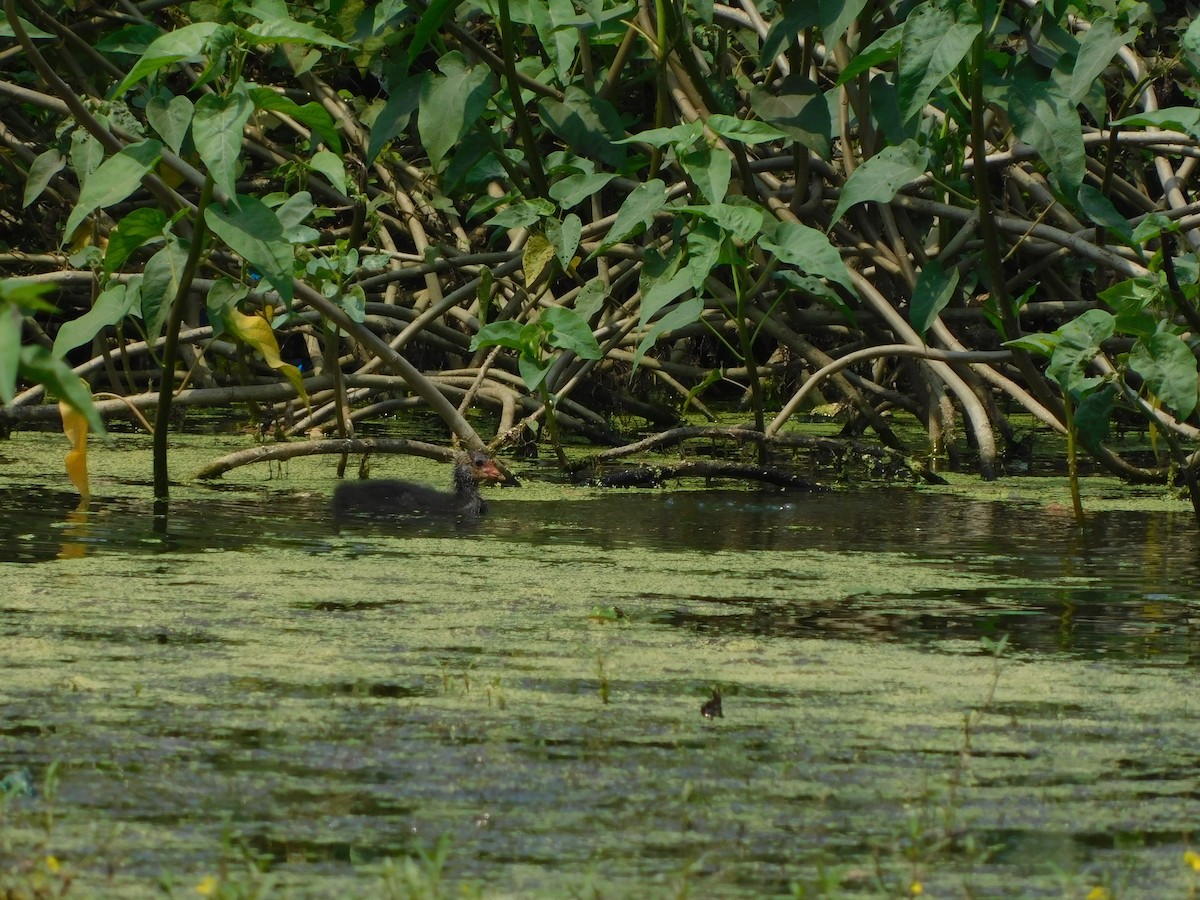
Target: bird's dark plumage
x=370 y=498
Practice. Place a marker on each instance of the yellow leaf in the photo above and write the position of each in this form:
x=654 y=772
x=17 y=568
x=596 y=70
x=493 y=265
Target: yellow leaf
x=1192 y=858
x=256 y=331
x=76 y=429
x=207 y=886
x=52 y=863
x=534 y=259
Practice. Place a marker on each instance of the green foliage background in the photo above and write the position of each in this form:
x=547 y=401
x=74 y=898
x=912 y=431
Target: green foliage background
x=615 y=211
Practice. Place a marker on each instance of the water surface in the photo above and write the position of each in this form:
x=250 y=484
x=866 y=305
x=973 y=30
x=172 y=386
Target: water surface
x=331 y=699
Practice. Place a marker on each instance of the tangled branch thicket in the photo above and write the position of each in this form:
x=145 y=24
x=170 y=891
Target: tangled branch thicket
x=958 y=211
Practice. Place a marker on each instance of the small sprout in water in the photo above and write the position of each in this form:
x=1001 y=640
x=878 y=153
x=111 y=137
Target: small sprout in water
x=994 y=647
x=712 y=707
x=18 y=783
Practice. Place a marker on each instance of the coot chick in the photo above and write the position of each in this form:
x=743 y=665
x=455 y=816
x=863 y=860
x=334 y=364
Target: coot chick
x=385 y=498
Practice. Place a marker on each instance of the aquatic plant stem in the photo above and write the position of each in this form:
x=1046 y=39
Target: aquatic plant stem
x=524 y=128
x=1072 y=459
x=162 y=418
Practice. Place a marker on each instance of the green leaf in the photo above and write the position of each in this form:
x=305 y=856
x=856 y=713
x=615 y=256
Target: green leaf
x=1099 y=45
x=806 y=248
x=1169 y=368
x=505 y=333
x=1040 y=344
x=1092 y=415
x=1078 y=343
x=589 y=125
x=796 y=18
x=113 y=305
x=882 y=176
x=836 y=18
x=6 y=30
x=934 y=289
x=884 y=48
x=292 y=213
x=799 y=110
x=747 y=131
x=703 y=242
x=132 y=40
x=289 y=31
x=170 y=119
x=710 y=169
x=662 y=292
x=523 y=214
x=450 y=104
x=181 y=44
x=331 y=166
x=533 y=370
x=427 y=26
x=1129 y=301
x=223 y=296
x=680 y=136
x=934 y=43
x=37 y=365
x=1175 y=118
x=636 y=213
x=44 y=167
x=1152 y=227
x=574 y=189
x=1049 y=122
x=115 y=179
x=818 y=289
x=255 y=232
x=10 y=347
x=217 y=130
x=1100 y=210
x=26 y=294
x=140 y=226
x=590 y=298
x=742 y=222
x=685 y=313
x=160 y=286
x=569 y=331
x=393 y=118
x=312 y=114
x=564 y=236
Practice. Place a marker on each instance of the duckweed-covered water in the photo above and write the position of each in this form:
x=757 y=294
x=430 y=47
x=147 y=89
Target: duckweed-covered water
x=258 y=699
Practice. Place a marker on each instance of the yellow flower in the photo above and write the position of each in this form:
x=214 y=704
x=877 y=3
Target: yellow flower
x=916 y=889
x=1192 y=858
x=52 y=864
x=207 y=887
x=1099 y=893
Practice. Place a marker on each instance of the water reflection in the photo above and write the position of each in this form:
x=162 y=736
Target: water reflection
x=1124 y=588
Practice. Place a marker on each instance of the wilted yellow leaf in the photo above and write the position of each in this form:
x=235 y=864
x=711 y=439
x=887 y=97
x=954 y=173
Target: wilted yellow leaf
x=76 y=429
x=536 y=256
x=257 y=332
